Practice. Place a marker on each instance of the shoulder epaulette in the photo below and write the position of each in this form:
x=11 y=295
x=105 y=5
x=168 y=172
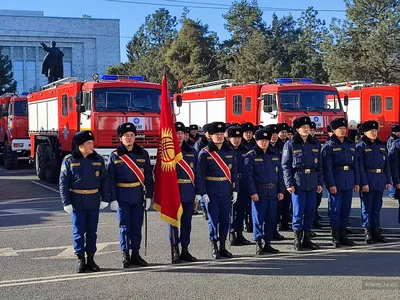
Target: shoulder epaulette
x=68 y=156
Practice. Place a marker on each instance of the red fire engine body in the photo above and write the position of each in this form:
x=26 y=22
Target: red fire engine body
x=283 y=101
x=14 y=140
x=368 y=101
x=66 y=106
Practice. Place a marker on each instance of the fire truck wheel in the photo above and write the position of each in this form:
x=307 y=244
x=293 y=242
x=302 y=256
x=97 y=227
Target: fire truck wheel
x=51 y=170
x=10 y=157
x=40 y=161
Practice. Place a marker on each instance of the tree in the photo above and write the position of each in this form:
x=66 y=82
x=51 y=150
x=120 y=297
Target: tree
x=7 y=82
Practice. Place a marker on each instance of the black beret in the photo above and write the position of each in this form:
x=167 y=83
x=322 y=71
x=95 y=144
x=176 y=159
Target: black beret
x=193 y=127
x=290 y=130
x=395 y=128
x=301 y=121
x=283 y=126
x=248 y=126
x=206 y=128
x=217 y=127
x=329 y=128
x=126 y=127
x=179 y=126
x=369 y=125
x=258 y=127
x=272 y=128
x=313 y=125
x=263 y=134
x=339 y=122
x=234 y=132
x=82 y=137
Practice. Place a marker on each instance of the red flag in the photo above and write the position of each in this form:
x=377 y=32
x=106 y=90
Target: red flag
x=166 y=190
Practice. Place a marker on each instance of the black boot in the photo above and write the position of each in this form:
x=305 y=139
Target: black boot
x=214 y=249
x=185 y=255
x=222 y=250
x=349 y=231
x=249 y=228
x=278 y=236
x=298 y=235
x=368 y=236
x=268 y=248
x=91 y=265
x=377 y=236
x=335 y=237
x=125 y=258
x=175 y=254
x=312 y=234
x=259 y=247
x=317 y=224
x=344 y=239
x=80 y=267
x=204 y=212
x=233 y=240
x=307 y=241
x=137 y=260
x=242 y=239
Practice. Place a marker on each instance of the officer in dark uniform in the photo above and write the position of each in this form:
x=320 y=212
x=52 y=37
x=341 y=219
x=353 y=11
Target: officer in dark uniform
x=394 y=136
x=193 y=134
x=282 y=134
x=329 y=130
x=188 y=180
x=258 y=127
x=375 y=178
x=131 y=184
x=264 y=180
x=235 y=141
x=341 y=175
x=84 y=189
x=394 y=162
x=219 y=187
x=290 y=133
x=302 y=170
x=187 y=138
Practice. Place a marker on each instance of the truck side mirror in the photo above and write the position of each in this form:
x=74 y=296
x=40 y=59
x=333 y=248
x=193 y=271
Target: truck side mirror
x=346 y=100
x=81 y=108
x=78 y=98
x=179 y=101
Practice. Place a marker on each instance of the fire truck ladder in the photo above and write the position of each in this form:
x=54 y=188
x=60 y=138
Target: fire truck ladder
x=212 y=85
x=58 y=82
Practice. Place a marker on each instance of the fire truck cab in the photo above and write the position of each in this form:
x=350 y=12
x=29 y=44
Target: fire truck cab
x=282 y=101
x=67 y=106
x=14 y=139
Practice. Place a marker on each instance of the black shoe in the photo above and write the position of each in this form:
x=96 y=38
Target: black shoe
x=344 y=240
x=175 y=254
x=186 y=256
x=368 y=236
x=137 y=260
x=349 y=231
x=214 y=249
x=259 y=247
x=317 y=224
x=222 y=250
x=312 y=234
x=125 y=258
x=90 y=264
x=298 y=236
x=249 y=228
x=284 y=227
x=242 y=239
x=204 y=212
x=336 y=237
x=378 y=238
x=233 y=240
x=278 y=236
x=268 y=248
x=318 y=216
x=80 y=267
x=307 y=243
x=195 y=212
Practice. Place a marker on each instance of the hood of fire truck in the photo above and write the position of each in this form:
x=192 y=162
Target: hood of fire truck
x=104 y=127
x=19 y=127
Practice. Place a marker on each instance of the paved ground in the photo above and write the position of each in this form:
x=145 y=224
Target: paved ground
x=37 y=262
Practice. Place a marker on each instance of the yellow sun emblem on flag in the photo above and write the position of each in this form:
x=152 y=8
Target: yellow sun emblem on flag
x=167 y=150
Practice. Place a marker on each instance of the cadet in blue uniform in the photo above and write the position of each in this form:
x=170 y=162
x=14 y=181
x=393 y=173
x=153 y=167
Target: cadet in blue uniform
x=84 y=189
x=375 y=177
x=394 y=162
x=302 y=170
x=218 y=186
x=188 y=180
x=290 y=133
x=131 y=184
x=341 y=175
x=264 y=180
x=193 y=134
x=394 y=136
x=235 y=141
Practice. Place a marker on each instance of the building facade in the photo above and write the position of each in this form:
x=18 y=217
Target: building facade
x=89 y=45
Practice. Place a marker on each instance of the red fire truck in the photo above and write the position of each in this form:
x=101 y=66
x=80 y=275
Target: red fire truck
x=14 y=139
x=282 y=101
x=372 y=101
x=66 y=106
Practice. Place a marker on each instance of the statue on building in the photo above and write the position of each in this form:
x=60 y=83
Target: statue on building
x=52 y=66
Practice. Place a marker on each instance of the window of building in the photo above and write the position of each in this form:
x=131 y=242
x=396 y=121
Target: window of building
x=64 y=105
x=67 y=69
x=248 y=104
x=237 y=105
x=389 y=103
x=18 y=66
x=70 y=104
x=375 y=104
x=31 y=76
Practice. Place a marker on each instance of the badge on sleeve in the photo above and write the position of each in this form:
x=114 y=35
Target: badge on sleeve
x=191 y=165
x=285 y=152
x=324 y=153
x=246 y=161
x=63 y=168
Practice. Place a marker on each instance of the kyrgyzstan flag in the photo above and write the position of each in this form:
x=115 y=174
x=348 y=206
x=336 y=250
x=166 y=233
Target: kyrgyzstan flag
x=166 y=190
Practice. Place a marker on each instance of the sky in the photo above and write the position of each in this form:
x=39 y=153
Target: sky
x=132 y=15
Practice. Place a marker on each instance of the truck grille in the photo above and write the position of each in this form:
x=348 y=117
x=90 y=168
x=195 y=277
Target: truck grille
x=147 y=141
x=322 y=137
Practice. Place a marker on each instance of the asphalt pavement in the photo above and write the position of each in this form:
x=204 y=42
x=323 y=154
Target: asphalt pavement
x=37 y=261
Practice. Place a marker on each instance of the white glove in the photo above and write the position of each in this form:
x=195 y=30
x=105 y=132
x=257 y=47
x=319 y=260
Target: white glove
x=197 y=198
x=103 y=205
x=68 y=209
x=234 y=197
x=148 y=203
x=114 y=205
x=206 y=199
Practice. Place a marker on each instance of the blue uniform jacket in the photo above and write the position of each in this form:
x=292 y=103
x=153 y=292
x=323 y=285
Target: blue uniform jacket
x=188 y=191
x=209 y=168
x=373 y=155
x=200 y=144
x=263 y=174
x=301 y=163
x=249 y=144
x=394 y=160
x=240 y=154
x=119 y=172
x=391 y=141
x=336 y=157
x=79 y=173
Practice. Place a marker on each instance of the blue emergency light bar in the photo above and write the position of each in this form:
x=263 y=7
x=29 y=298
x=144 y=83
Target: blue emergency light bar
x=24 y=94
x=292 y=80
x=122 y=77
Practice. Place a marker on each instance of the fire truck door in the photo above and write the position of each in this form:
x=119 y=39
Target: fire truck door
x=68 y=117
x=85 y=117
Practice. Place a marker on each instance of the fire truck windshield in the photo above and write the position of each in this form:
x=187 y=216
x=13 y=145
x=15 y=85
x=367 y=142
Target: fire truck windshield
x=127 y=99
x=20 y=108
x=309 y=100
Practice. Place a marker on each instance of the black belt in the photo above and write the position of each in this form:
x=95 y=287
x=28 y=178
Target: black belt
x=306 y=171
x=377 y=171
x=343 y=168
x=268 y=185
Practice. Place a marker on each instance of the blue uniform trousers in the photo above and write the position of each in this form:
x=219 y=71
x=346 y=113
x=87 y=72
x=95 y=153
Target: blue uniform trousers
x=186 y=226
x=130 y=216
x=84 y=222
x=371 y=204
x=283 y=209
x=340 y=208
x=218 y=216
x=239 y=209
x=264 y=219
x=303 y=209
